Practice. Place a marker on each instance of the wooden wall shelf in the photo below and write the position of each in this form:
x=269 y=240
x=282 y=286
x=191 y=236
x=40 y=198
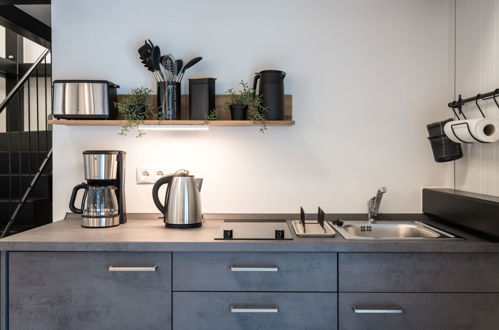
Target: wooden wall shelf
x=172 y=122
x=224 y=116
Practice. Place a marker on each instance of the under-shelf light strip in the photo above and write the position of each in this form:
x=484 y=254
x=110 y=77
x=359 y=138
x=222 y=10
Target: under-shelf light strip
x=174 y=127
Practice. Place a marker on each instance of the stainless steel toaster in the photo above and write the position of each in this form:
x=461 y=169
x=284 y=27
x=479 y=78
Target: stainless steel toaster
x=84 y=99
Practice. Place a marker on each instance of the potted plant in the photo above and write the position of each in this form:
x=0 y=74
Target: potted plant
x=244 y=104
x=135 y=108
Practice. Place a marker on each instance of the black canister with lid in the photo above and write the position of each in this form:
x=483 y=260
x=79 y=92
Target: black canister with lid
x=201 y=97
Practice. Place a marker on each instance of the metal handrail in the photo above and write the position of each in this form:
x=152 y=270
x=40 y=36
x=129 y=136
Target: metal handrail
x=26 y=195
x=24 y=78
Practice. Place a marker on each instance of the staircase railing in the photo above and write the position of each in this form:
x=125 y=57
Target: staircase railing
x=28 y=109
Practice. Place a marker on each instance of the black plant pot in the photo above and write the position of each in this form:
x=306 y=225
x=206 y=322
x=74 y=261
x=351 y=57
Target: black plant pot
x=140 y=111
x=238 y=111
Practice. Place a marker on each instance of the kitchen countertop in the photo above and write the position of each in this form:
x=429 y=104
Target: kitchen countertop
x=149 y=234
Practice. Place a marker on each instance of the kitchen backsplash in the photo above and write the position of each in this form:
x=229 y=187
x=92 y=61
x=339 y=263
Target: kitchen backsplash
x=362 y=94
x=477 y=71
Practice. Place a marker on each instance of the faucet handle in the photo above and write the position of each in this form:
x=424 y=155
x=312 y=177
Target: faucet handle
x=382 y=190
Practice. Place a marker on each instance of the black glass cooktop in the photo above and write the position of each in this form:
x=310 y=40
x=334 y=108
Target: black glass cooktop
x=255 y=230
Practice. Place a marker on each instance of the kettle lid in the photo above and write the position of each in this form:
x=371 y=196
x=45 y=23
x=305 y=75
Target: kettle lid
x=182 y=173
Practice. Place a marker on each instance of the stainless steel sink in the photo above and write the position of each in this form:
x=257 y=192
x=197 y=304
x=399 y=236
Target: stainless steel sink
x=390 y=230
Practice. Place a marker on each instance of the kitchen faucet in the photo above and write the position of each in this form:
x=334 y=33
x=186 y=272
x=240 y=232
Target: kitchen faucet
x=373 y=205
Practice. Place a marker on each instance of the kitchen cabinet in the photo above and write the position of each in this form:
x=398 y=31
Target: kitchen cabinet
x=417 y=311
x=313 y=272
x=97 y=290
x=430 y=291
x=418 y=272
x=252 y=310
x=252 y=290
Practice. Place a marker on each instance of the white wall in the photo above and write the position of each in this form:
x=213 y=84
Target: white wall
x=477 y=71
x=366 y=77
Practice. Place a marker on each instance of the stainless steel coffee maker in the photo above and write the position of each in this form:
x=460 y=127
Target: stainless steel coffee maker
x=103 y=202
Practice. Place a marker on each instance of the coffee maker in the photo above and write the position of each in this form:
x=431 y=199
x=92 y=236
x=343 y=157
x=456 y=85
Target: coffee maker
x=103 y=202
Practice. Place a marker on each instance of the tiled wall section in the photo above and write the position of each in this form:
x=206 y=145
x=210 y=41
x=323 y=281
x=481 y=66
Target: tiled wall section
x=477 y=71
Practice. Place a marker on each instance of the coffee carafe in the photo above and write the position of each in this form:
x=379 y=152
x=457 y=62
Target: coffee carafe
x=182 y=207
x=271 y=91
x=103 y=201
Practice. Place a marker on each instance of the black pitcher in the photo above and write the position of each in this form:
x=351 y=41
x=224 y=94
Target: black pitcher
x=271 y=90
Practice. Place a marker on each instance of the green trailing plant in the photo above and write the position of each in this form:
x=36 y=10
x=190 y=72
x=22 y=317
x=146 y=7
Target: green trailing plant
x=245 y=96
x=135 y=108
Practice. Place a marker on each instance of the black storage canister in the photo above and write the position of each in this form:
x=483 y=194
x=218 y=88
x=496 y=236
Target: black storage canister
x=201 y=97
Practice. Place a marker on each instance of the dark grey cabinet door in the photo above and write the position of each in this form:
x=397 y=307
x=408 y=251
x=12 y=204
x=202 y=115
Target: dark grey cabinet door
x=75 y=290
x=418 y=272
x=420 y=311
x=254 y=311
x=254 y=271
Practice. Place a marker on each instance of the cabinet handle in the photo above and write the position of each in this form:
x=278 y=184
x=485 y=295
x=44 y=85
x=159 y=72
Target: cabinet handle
x=132 y=269
x=253 y=269
x=254 y=309
x=384 y=310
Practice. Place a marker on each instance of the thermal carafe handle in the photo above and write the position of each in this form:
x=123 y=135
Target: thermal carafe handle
x=155 y=190
x=255 y=81
x=72 y=206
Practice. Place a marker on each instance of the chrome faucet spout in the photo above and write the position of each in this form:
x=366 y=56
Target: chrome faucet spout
x=373 y=205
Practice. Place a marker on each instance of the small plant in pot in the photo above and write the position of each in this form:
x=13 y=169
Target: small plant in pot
x=245 y=104
x=135 y=108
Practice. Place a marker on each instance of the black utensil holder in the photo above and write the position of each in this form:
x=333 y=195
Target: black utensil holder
x=444 y=149
x=169 y=100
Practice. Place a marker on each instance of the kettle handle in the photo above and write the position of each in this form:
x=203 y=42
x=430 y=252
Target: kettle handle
x=155 y=190
x=255 y=82
x=72 y=206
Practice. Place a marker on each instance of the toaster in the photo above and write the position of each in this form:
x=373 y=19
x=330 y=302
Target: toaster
x=84 y=99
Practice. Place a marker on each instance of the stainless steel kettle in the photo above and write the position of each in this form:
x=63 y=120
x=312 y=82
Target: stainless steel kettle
x=182 y=208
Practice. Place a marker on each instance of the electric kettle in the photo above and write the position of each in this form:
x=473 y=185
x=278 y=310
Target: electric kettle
x=271 y=91
x=182 y=208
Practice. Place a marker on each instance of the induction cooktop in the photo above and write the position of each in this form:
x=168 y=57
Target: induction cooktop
x=254 y=230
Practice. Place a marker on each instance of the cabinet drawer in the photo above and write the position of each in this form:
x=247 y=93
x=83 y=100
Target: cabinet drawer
x=78 y=290
x=419 y=272
x=254 y=272
x=428 y=311
x=243 y=310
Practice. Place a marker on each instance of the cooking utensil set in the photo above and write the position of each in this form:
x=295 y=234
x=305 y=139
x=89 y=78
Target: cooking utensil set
x=165 y=68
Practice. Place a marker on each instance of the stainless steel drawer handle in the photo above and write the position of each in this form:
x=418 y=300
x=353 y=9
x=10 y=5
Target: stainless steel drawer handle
x=132 y=269
x=254 y=309
x=370 y=310
x=254 y=269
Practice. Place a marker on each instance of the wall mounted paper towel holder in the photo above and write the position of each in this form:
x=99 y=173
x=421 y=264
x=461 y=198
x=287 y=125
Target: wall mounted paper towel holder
x=460 y=102
x=459 y=106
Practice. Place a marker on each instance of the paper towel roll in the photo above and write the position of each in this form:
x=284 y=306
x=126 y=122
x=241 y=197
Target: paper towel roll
x=473 y=130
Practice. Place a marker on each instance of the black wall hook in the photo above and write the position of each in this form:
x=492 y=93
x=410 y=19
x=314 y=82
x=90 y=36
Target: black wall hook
x=460 y=102
x=477 y=105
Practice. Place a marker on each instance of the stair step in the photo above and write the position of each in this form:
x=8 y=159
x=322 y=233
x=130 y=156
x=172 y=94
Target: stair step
x=29 y=161
x=26 y=141
x=35 y=212
x=19 y=183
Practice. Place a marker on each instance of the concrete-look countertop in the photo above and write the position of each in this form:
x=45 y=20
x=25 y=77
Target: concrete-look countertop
x=149 y=234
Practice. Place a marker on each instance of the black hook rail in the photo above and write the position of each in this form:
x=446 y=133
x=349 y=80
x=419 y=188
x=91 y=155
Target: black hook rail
x=460 y=102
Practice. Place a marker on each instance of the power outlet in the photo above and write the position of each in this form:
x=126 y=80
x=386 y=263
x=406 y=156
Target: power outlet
x=159 y=173
x=149 y=175
x=145 y=176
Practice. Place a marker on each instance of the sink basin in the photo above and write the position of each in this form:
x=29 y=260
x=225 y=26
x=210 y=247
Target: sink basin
x=390 y=230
